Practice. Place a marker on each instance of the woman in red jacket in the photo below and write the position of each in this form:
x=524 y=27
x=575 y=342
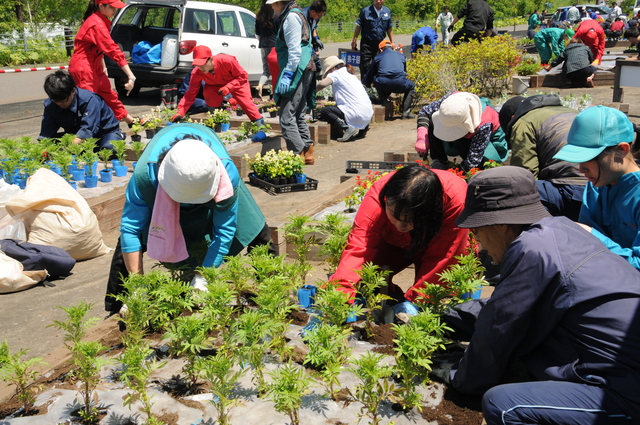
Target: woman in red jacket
x=407 y=217
x=592 y=34
x=92 y=42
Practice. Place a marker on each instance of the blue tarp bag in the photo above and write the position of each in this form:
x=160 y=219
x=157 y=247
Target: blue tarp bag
x=145 y=52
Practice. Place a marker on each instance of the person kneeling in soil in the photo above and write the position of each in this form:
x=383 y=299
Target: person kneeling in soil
x=185 y=194
x=565 y=306
x=353 y=110
x=406 y=218
x=77 y=111
x=577 y=67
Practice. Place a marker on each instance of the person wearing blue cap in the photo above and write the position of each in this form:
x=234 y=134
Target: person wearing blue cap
x=425 y=36
x=600 y=141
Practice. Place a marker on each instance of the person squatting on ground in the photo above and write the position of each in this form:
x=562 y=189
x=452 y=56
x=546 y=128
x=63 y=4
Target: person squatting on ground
x=460 y=124
x=313 y=13
x=424 y=36
x=600 y=142
x=374 y=23
x=407 y=217
x=92 y=42
x=77 y=111
x=296 y=85
x=353 y=110
x=592 y=34
x=615 y=30
x=199 y=105
x=577 y=68
x=266 y=29
x=185 y=196
x=222 y=76
x=388 y=74
x=550 y=42
x=444 y=21
x=477 y=24
x=565 y=307
x=536 y=128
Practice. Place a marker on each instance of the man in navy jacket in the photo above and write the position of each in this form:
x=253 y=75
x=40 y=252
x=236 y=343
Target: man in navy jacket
x=565 y=305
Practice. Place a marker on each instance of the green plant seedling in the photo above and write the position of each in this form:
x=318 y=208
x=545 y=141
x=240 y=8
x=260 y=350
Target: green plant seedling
x=87 y=365
x=120 y=146
x=89 y=159
x=137 y=318
x=274 y=301
x=138 y=148
x=187 y=336
x=20 y=374
x=329 y=350
x=289 y=384
x=374 y=386
x=334 y=306
x=415 y=344
x=251 y=331
x=219 y=371
x=237 y=272
x=104 y=155
x=75 y=326
x=301 y=233
x=63 y=159
x=264 y=264
x=217 y=304
x=336 y=230
x=371 y=280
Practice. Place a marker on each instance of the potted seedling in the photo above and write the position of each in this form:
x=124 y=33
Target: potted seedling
x=76 y=150
x=120 y=146
x=136 y=128
x=20 y=373
x=150 y=124
x=63 y=160
x=288 y=384
x=137 y=148
x=273 y=111
x=106 y=173
x=90 y=178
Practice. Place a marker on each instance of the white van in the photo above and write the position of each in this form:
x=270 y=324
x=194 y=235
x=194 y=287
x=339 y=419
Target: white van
x=180 y=25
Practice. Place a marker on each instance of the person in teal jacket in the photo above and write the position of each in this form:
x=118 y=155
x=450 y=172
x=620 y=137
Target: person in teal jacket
x=296 y=85
x=600 y=141
x=185 y=197
x=534 y=22
x=550 y=41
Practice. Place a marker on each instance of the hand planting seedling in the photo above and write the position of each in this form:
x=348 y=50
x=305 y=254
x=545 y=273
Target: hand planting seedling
x=371 y=280
x=20 y=374
x=289 y=384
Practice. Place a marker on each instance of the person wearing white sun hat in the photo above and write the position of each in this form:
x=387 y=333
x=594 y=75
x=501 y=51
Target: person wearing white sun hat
x=185 y=195
x=461 y=124
x=353 y=110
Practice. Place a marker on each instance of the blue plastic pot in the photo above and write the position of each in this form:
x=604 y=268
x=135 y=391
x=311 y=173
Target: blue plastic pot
x=121 y=170
x=226 y=126
x=106 y=176
x=473 y=295
x=301 y=178
x=74 y=185
x=78 y=175
x=115 y=162
x=91 y=181
x=94 y=169
x=306 y=296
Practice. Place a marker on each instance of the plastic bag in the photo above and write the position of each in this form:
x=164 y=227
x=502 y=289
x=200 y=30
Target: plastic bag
x=13 y=278
x=145 y=52
x=55 y=214
x=6 y=192
x=13 y=228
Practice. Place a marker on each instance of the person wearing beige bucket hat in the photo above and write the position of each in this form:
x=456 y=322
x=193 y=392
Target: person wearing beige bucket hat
x=461 y=124
x=565 y=309
x=353 y=110
x=185 y=194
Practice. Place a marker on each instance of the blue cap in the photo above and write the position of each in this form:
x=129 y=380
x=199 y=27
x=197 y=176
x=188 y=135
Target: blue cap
x=593 y=130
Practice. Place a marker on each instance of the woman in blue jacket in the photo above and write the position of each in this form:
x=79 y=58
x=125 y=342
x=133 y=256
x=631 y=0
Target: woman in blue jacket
x=185 y=193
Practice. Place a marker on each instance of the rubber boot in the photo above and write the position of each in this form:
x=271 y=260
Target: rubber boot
x=406 y=105
x=307 y=154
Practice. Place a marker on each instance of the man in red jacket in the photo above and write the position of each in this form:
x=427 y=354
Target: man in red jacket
x=592 y=34
x=222 y=75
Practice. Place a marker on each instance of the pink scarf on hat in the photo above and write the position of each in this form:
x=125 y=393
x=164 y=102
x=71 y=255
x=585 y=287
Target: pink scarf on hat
x=166 y=241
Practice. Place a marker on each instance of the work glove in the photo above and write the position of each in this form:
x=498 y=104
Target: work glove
x=404 y=311
x=285 y=82
x=199 y=283
x=317 y=43
x=421 y=142
x=450 y=29
x=232 y=101
x=176 y=118
x=224 y=91
x=443 y=362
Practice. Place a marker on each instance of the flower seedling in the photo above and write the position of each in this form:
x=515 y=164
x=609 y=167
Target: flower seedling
x=219 y=371
x=63 y=160
x=120 y=146
x=104 y=155
x=237 y=273
x=371 y=280
x=289 y=384
x=336 y=231
x=187 y=336
x=374 y=386
x=301 y=234
x=251 y=331
x=217 y=303
x=87 y=364
x=274 y=301
x=137 y=148
x=415 y=343
x=328 y=350
x=20 y=374
x=334 y=306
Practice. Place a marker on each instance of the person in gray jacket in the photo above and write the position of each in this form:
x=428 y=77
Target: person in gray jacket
x=577 y=58
x=565 y=306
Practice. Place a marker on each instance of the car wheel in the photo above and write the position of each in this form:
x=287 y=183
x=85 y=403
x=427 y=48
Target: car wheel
x=122 y=92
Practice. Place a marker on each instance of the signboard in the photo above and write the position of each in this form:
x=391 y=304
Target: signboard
x=350 y=57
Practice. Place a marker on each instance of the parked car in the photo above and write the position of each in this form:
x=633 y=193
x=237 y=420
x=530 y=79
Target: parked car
x=636 y=8
x=603 y=11
x=180 y=25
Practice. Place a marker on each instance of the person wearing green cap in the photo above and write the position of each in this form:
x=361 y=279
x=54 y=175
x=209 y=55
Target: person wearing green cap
x=550 y=41
x=600 y=142
x=577 y=58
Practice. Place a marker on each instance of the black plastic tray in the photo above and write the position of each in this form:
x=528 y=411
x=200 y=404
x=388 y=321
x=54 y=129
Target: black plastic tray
x=310 y=184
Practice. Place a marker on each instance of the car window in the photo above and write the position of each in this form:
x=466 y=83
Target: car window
x=200 y=21
x=175 y=19
x=227 y=24
x=156 y=17
x=249 y=23
x=128 y=16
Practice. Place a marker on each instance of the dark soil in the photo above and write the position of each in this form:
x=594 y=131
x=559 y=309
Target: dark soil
x=11 y=406
x=169 y=418
x=383 y=335
x=342 y=395
x=299 y=318
x=455 y=408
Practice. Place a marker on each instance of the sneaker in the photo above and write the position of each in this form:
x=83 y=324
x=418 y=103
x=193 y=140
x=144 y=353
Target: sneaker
x=348 y=134
x=408 y=116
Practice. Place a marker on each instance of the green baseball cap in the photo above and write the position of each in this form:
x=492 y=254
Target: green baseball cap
x=593 y=130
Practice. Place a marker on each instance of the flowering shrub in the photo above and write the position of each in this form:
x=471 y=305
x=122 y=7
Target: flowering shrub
x=363 y=184
x=480 y=67
x=276 y=164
